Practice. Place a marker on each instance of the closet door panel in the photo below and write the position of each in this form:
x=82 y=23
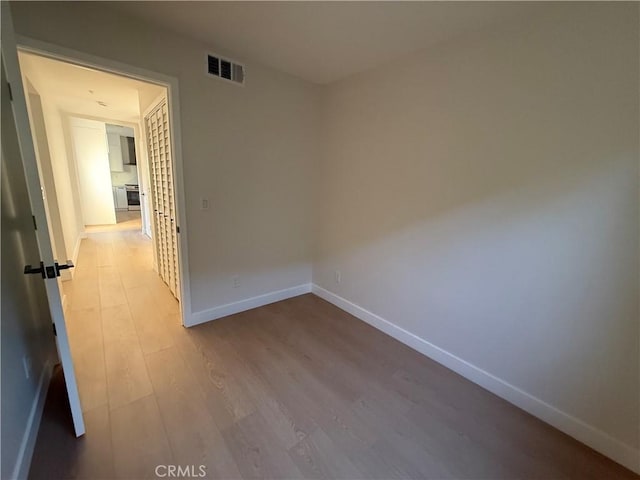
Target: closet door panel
x=159 y=141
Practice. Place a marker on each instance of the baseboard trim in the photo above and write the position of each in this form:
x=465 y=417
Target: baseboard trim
x=76 y=249
x=76 y=252
x=572 y=426
x=203 y=316
x=23 y=461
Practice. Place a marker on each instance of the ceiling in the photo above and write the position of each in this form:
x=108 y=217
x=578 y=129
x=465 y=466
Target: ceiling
x=75 y=89
x=323 y=41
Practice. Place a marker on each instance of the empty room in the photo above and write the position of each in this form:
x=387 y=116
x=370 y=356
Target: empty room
x=327 y=240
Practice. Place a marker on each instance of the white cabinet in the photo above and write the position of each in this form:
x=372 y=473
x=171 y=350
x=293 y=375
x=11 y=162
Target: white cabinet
x=115 y=152
x=120 y=198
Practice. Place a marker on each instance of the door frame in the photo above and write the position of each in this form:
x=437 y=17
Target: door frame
x=137 y=131
x=75 y=57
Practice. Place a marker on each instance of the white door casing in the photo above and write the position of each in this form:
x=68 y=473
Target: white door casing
x=171 y=84
x=143 y=179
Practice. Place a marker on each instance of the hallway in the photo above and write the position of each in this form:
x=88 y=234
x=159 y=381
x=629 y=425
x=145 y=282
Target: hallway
x=117 y=310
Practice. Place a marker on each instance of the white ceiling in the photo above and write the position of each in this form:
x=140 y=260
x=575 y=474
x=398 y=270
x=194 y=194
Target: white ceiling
x=323 y=41
x=75 y=89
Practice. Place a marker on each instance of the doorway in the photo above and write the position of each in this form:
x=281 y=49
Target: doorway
x=96 y=152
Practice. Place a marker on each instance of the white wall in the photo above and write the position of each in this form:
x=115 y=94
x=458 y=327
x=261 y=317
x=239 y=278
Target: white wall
x=65 y=178
x=483 y=196
x=128 y=175
x=45 y=168
x=57 y=169
x=94 y=177
x=249 y=149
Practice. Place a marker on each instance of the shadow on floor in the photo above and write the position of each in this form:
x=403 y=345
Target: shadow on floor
x=56 y=431
x=58 y=452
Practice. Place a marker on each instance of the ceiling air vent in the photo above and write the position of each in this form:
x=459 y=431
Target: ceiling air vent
x=214 y=66
x=225 y=69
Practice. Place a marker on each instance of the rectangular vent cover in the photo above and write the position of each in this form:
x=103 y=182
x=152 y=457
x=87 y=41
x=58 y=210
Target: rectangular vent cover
x=226 y=69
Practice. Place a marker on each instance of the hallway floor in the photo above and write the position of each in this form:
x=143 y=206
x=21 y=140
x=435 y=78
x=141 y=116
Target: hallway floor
x=125 y=220
x=295 y=389
x=117 y=310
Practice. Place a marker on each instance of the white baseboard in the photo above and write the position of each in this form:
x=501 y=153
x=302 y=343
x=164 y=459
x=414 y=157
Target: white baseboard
x=76 y=252
x=247 y=304
x=576 y=428
x=23 y=461
x=76 y=249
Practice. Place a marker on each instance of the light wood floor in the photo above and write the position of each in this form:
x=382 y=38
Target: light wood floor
x=296 y=389
x=125 y=220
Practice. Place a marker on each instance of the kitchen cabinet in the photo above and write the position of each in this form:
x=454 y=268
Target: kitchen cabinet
x=120 y=198
x=128 y=149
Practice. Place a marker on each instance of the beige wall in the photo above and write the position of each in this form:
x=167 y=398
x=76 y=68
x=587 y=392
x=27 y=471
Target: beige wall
x=249 y=149
x=484 y=196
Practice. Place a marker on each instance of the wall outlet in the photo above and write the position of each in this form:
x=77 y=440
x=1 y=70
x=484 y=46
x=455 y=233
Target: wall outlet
x=235 y=280
x=338 y=276
x=26 y=363
x=204 y=204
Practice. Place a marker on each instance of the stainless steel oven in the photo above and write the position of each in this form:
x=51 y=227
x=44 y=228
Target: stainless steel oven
x=133 y=197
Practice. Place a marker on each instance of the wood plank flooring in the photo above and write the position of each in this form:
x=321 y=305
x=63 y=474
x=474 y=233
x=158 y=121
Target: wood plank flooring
x=296 y=389
x=125 y=220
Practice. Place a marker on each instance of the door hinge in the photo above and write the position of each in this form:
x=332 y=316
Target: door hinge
x=10 y=91
x=177 y=229
x=55 y=332
x=35 y=225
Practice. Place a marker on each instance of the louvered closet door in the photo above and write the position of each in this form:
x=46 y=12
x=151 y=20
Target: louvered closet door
x=164 y=208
